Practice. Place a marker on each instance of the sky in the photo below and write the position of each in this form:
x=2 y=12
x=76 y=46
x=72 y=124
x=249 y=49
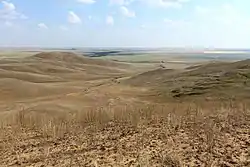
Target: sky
x=125 y=23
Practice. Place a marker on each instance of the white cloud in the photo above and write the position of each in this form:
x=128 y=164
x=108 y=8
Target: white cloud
x=110 y=20
x=126 y=12
x=86 y=1
x=74 y=18
x=8 y=6
x=120 y=2
x=117 y=2
x=157 y=3
x=8 y=12
x=63 y=28
x=165 y=3
x=42 y=26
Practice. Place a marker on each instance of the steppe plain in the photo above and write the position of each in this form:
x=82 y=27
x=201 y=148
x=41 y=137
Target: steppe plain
x=119 y=107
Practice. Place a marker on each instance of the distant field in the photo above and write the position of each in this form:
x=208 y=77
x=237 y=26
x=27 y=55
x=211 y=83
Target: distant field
x=140 y=55
x=184 y=57
x=15 y=54
x=152 y=58
x=138 y=58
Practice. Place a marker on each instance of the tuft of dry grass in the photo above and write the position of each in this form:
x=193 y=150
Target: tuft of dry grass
x=145 y=136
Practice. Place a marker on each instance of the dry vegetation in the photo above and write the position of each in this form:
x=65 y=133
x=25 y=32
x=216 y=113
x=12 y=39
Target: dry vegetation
x=146 y=136
x=63 y=110
x=208 y=82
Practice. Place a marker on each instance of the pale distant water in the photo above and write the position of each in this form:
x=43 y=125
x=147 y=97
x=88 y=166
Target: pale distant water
x=221 y=57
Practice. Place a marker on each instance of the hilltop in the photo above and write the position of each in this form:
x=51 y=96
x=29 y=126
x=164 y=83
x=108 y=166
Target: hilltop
x=71 y=57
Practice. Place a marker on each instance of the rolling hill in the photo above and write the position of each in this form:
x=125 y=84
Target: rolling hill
x=210 y=81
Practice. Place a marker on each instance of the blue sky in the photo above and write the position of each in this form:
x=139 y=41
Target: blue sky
x=125 y=23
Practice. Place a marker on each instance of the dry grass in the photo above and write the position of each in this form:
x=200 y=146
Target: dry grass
x=141 y=137
x=54 y=130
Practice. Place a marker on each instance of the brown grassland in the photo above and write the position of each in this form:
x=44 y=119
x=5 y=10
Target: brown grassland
x=65 y=110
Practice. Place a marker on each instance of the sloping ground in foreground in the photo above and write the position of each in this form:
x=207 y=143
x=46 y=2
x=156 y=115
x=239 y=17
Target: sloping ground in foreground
x=150 y=136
